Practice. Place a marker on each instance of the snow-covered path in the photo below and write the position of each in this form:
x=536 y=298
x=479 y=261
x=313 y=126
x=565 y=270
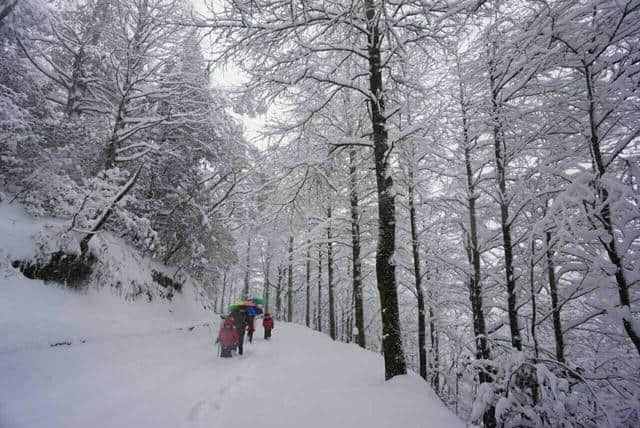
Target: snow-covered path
x=154 y=364
x=173 y=378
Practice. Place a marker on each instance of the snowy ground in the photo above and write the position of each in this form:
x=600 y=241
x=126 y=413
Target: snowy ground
x=92 y=359
x=173 y=378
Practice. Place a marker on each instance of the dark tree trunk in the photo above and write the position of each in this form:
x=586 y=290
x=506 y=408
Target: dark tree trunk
x=422 y=342
x=534 y=308
x=350 y=323
x=394 y=361
x=319 y=303
x=231 y=291
x=602 y=195
x=332 y=313
x=267 y=283
x=555 y=306
x=307 y=312
x=473 y=253
x=267 y=286
x=290 y=282
x=435 y=350
x=111 y=151
x=475 y=288
x=224 y=289
x=281 y=272
x=355 y=249
x=245 y=290
x=505 y=222
x=343 y=321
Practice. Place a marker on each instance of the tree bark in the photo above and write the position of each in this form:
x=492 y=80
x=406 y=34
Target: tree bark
x=281 y=270
x=422 y=342
x=224 y=289
x=435 y=350
x=394 y=361
x=501 y=166
x=555 y=307
x=307 y=312
x=534 y=308
x=611 y=244
x=473 y=253
x=319 y=302
x=332 y=313
x=475 y=288
x=245 y=290
x=290 y=282
x=267 y=285
x=355 y=250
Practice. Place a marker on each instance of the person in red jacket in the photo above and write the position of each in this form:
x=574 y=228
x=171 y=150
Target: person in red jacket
x=228 y=338
x=250 y=328
x=267 y=324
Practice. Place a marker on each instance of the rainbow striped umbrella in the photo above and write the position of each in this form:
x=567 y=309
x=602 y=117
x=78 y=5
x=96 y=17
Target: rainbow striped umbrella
x=251 y=307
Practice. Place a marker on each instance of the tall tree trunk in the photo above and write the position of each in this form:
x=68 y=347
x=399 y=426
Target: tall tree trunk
x=267 y=286
x=473 y=253
x=307 y=312
x=290 y=282
x=422 y=342
x=534 y=308
x=224 y=289
x=319 y=302
x=267 y=282
x=555 y=306
x=111 y=151
x=343 y=321
x=355 y=250
x=350 y=316
x=435 y=350
x=281 y=270
x=394 y=361
x=611 y=243
x=232 y=291
x=245 y=290
x=503 y=201
x=475 y=289
x=332 y=313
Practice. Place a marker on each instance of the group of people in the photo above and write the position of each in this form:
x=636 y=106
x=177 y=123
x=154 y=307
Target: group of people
x=231 y=335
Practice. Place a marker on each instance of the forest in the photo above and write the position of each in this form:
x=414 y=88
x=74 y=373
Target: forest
x=454 y=184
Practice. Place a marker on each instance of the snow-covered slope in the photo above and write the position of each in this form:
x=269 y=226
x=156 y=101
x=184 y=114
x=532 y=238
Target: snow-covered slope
x=172 y=377
x=33 y=314
x=94 y=359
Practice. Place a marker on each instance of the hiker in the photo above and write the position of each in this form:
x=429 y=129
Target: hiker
x=250 y=328
x=267 y=324
x=240 y=322
x=228 y=338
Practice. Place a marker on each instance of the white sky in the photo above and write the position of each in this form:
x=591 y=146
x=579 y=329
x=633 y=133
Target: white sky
x=230 y=77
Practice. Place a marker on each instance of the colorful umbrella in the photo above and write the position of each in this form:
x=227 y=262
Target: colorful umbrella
x=254 y=310
x=251 y=307
x=257 y=300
